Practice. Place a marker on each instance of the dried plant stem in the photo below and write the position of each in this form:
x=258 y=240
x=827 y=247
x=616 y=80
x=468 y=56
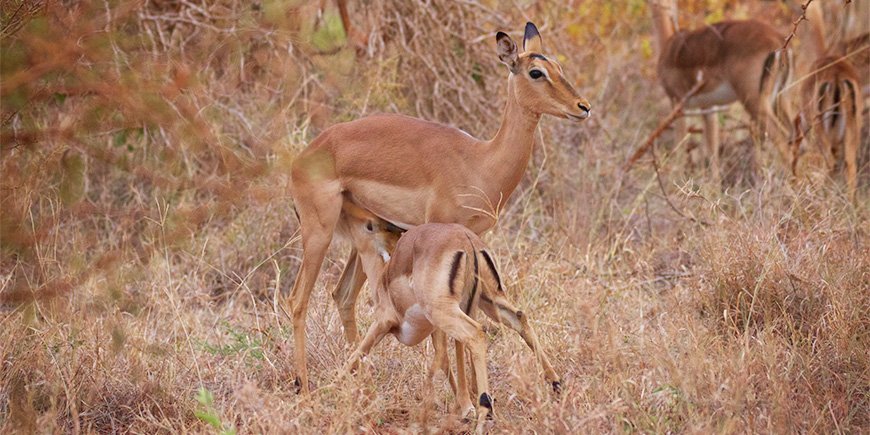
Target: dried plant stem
x=802 y=17
x=665 y=192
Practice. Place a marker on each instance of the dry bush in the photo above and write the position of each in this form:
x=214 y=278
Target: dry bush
x=146 y=233
x=796 y=285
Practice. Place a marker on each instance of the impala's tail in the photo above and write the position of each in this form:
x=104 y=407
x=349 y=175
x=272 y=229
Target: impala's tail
x=472 y=281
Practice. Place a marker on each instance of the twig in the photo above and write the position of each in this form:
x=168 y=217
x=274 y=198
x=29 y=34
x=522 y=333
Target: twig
x=675 y=113
x=665 y=193
x=803 y=17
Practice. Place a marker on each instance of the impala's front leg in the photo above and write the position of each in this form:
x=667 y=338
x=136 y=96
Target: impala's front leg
x=711 y=137
x=318 y=204
x=346 y=294
x=852 y=143
x=439 y=362
x=375 y=334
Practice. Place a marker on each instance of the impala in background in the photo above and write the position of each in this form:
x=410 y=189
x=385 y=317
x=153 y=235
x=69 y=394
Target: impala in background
x=738 y=60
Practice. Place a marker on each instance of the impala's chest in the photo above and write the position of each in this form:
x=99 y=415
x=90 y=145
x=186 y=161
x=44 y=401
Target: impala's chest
x=475 y=206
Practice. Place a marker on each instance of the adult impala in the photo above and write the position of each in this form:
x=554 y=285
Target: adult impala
x=409 y=172
x=738 y=60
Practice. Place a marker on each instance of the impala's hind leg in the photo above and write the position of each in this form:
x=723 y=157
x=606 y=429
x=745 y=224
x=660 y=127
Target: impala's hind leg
x=463 y=328
x=440 y=360
x=499 y=309
x=346 y=294
x=318 y=203
x=853 y=137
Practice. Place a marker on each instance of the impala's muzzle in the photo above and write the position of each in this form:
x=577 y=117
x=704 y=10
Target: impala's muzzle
x=583 y=111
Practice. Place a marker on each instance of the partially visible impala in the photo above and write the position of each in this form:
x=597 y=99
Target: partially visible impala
x=832 y=116
x=738 y=60
x=832 y=109
x=409 y=172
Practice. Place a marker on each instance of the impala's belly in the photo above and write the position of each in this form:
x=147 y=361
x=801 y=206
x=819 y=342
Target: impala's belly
x=720 y=95
x=402 y=206
x=415 y=326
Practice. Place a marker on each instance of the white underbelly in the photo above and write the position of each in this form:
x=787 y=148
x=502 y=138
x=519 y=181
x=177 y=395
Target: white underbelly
x=415 y=326
x=719 y=96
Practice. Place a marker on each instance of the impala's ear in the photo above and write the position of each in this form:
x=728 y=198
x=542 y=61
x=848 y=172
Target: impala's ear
x=532 y=39
x=507 y=50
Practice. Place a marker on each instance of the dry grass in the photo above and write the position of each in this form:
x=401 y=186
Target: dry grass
x=146 y=228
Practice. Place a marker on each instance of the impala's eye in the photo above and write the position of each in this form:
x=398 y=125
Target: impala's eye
x=536 y=74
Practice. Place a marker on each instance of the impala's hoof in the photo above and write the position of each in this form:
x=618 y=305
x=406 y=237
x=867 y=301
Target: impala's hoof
x=557 y=387
x=486 y=402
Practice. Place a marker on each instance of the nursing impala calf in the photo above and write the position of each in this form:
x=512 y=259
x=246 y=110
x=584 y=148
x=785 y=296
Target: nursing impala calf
x=437 y=277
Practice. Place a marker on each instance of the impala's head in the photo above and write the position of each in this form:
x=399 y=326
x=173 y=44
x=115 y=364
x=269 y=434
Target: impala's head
x=537 y=80
x=371 y=235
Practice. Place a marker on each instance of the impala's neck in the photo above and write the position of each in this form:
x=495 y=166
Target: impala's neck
x=663 y=14
x=507 y=154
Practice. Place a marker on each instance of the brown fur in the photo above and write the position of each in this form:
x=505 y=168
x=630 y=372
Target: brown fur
x=410 y=171
x=858 y=50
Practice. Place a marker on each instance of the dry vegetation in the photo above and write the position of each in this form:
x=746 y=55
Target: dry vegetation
x=146 y=229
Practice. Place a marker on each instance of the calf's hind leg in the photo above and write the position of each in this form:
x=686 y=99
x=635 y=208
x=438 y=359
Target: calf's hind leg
x=462 y=328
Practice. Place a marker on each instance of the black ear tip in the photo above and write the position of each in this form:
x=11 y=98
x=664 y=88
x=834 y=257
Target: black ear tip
x=501 y=35
x=531 y=28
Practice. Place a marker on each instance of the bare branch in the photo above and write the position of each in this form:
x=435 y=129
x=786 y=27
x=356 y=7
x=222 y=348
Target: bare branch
x=802 y=17
x=675 y=113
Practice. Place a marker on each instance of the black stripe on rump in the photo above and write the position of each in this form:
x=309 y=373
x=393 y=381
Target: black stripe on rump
x=474 y=286
x=853 y=97
x=492 y=268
